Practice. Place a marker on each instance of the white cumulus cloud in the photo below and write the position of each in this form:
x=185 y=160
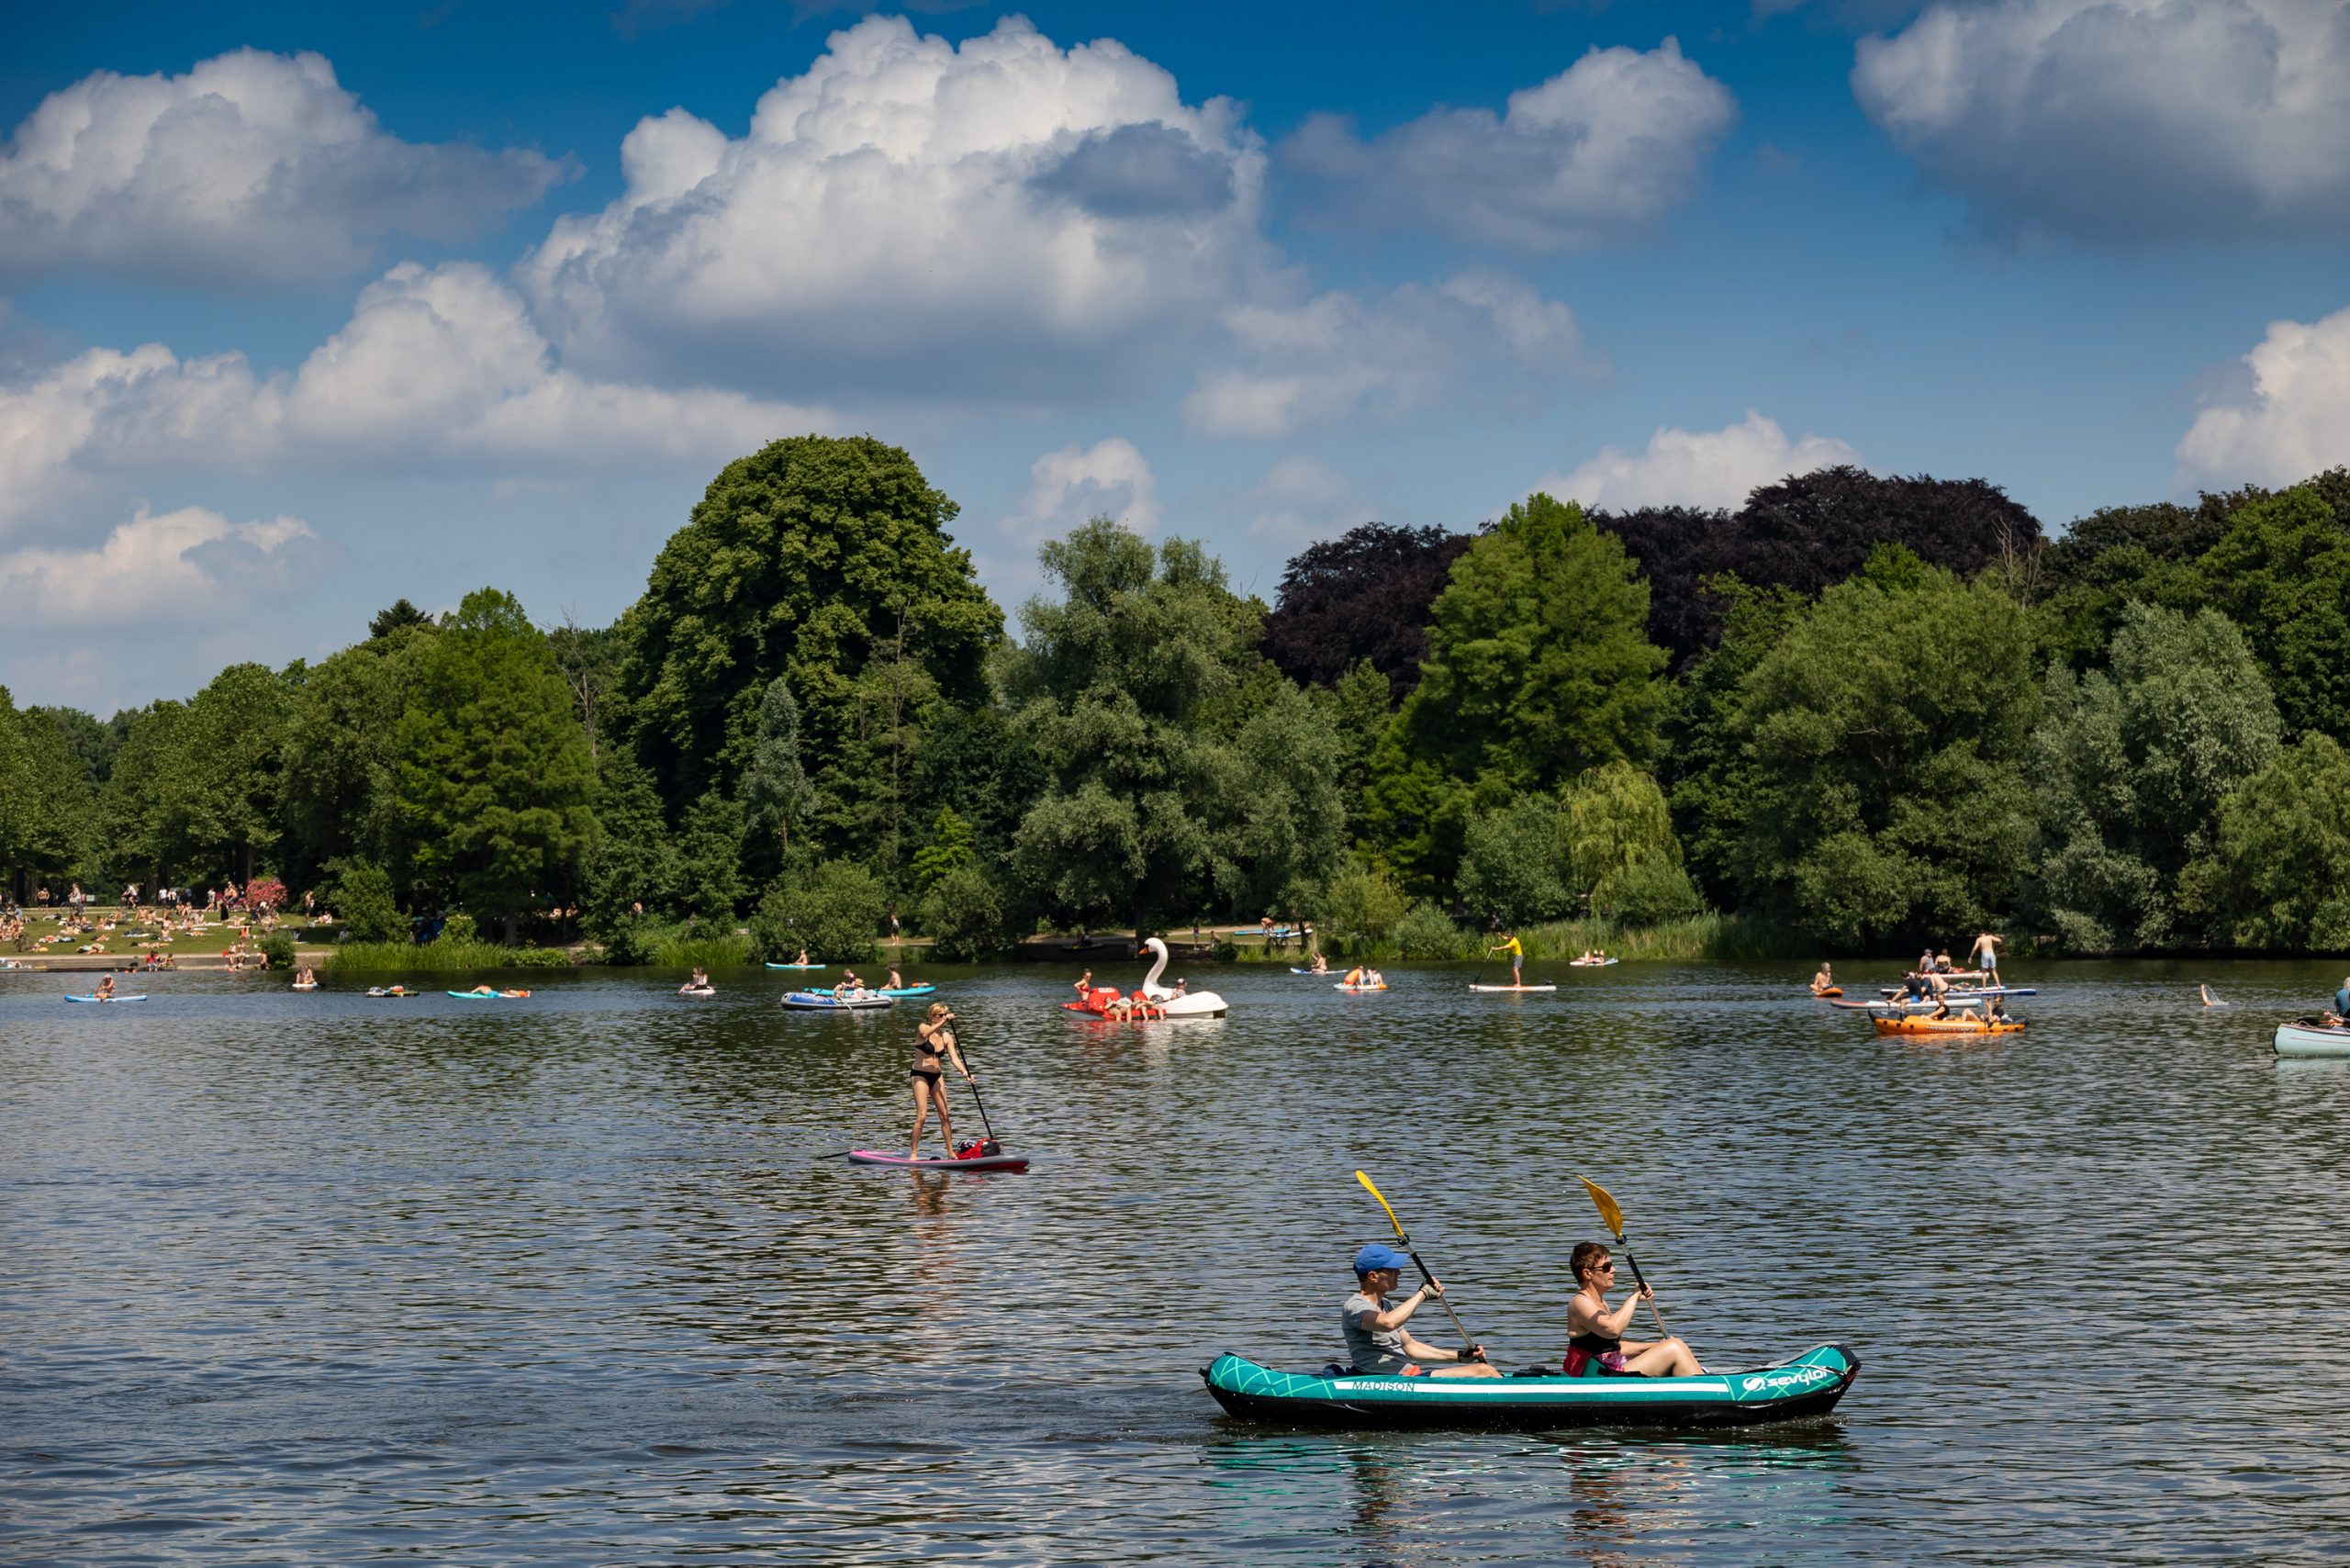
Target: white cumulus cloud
x=1697 y=469
x=1300 y=500
x=176 y=564
x=1003 y=213
x=1341 y=355
x=435 y=363
x=2296 y=419
x=251 y=169
x=2125 y=120
x=1597 y=152
x=1109 y=478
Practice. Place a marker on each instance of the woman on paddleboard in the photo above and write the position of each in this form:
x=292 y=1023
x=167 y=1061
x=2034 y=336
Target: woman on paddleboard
x=1516 y=950
x=934 y=1038
x=1598 y=1346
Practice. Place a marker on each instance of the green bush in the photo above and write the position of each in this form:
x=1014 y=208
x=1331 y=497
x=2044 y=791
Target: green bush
x=1428 y=933
x=633 y=939
x=361 y=896
x=440 y=958
x=457 y=930
x=836 y=911
x=1362 y=912
x=1650 y=892
x=535 y=959
x=963 y=915
x=277 y=950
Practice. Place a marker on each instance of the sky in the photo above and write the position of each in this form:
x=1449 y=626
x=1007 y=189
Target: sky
x=306 y=309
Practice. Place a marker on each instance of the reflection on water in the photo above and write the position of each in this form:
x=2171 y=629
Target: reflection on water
x=302 y=1280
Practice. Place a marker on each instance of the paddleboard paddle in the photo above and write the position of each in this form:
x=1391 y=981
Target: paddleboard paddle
x=1405 y=1243
x=1613 y=1218
x=972 y=1079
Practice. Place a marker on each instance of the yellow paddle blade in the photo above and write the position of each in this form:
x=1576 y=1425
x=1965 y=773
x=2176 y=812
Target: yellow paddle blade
x=1382 y=1204
x=1610 y=1215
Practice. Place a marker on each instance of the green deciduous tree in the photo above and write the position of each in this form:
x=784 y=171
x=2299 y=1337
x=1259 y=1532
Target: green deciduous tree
x=963 y=913
x=364 y=901
x=342 y=757
x=226 y=772
x=835 y=910
x=632 y=868
x=1361 y=909
x=1879 y=788
x=797 y=562
x=2130 y=766
x=1539 y=667
x=494 y=776
x=711 y=849
x=2278 y=875
x=776 y=794
x=1184 y=772
x=1623 y=858
x=2282 y=573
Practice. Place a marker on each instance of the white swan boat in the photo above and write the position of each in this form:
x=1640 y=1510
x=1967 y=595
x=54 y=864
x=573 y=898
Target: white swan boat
x=1177 y=1004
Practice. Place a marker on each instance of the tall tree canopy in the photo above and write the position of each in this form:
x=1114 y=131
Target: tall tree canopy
x=1363 y=595
x=342 y=755
x=2282 y=573
x=1537 y=669
x=807 y=559
x=1807 y=532
x=2130 y=766
x=1184 y=772
x=1878 y=782
x=493 y=775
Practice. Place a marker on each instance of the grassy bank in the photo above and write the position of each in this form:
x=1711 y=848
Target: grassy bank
x=1699 y=937
x=445 y=957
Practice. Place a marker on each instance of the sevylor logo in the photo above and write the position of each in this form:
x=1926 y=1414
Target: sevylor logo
x=1776 y=1382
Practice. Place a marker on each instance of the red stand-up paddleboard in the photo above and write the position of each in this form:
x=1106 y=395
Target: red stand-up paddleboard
x=977 y=1159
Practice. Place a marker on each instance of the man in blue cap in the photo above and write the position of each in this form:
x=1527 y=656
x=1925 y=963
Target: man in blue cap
x=1377 y=1341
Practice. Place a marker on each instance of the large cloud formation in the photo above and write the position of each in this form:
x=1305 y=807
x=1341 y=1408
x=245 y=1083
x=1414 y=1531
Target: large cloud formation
x=2294 y=422
x=1005 y=213
x=251 y=170
x=157 y=565
x=438 y=364
x=1597 y=152
x=1697 y=469
x=1341 y=356
x=2126 y=119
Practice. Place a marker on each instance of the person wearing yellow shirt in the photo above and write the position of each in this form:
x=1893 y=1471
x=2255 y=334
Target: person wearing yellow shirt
x=1517 y=952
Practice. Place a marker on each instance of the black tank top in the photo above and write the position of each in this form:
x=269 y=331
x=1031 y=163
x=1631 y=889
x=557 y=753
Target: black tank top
x=1593 y=1344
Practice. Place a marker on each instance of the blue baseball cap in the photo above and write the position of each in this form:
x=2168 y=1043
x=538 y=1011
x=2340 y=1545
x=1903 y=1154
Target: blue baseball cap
x=1378 y=1257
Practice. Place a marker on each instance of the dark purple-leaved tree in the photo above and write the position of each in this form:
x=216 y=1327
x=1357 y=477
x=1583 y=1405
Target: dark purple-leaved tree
x=1364 y=595
x=1807 y=532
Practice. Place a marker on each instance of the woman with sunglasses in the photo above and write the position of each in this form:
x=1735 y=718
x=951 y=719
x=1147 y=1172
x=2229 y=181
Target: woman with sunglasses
x=1598 y=1346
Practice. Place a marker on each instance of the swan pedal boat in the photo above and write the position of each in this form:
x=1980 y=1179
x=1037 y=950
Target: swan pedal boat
x=825 y=1002
x=1538 y=1399
x=1150 y=1000
x=2307 y=1037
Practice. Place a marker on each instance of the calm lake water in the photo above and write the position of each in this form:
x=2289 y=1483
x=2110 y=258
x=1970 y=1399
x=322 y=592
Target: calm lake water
x=580 y=1280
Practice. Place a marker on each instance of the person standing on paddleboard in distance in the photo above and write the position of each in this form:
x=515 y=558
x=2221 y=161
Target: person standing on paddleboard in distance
x=1598 y=1346
x=1516 y=950
x=934 y=1037
x=1984 y=957
x=1377 y=1341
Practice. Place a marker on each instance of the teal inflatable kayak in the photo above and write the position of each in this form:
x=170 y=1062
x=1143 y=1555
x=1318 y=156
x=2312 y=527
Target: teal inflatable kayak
x=1805 y=1385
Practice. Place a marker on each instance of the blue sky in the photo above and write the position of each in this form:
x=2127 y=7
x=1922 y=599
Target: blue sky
x=306 y=309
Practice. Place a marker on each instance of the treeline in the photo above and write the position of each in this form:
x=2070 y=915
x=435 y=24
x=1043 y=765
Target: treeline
x=1866 y=710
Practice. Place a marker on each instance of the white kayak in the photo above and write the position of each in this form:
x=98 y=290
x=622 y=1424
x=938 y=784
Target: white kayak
x=1591 y=963
x=1513 y=988
x=2306 y=1038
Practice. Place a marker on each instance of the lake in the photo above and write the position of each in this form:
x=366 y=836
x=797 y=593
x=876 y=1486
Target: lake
x=298 y=1279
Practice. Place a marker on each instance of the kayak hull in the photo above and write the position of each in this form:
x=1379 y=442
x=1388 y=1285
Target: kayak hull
x=1012 y=1162
x=905 y=990
x=1802 y=1388
x=796 y=966
x=1946 y=1026
x=140 y=996
x=2308 y=1040
x=825 y=1002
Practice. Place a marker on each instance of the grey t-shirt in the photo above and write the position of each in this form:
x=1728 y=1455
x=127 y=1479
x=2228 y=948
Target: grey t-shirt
x=1372 y=1350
